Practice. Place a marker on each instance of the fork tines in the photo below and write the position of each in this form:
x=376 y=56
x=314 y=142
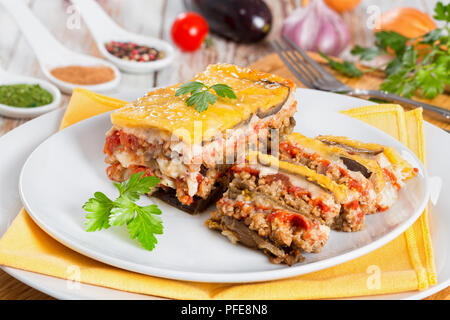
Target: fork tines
x=309 y=72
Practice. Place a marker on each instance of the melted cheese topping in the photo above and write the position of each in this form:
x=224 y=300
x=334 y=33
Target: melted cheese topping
x=161 y=109
x=298 y=181
x=340 y=191
x=353 y=143
x=333 y=152
x=402 y=168
x=405 y=169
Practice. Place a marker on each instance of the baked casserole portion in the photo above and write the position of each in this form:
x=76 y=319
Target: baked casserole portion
x=276 y=207
x=190 y=151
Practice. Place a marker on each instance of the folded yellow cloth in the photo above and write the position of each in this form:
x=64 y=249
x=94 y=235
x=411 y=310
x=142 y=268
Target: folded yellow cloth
x=404 y=264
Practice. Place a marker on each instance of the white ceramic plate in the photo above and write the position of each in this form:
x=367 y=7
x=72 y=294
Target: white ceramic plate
x=69 y=168
x=18 y=144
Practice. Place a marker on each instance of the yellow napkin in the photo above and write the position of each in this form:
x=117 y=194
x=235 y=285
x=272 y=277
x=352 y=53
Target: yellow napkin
x=404 y=264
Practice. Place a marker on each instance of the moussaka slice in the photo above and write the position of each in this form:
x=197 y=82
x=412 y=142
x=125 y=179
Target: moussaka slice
x=333 y=162
x=385 y=168
x=310 y=192
x=191 y=151
x=282 y=208
x=258 y=222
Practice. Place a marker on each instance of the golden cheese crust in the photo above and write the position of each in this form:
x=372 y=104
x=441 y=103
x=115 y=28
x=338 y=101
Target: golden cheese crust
x=256 y=92
x=340 y=191
x=330 y=151
x=390 y=153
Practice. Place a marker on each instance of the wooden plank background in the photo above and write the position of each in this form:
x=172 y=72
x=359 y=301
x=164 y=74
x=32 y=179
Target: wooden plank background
x=154 y=18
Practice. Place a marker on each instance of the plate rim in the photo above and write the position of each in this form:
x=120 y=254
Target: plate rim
x=234 y=277
x=37 y=280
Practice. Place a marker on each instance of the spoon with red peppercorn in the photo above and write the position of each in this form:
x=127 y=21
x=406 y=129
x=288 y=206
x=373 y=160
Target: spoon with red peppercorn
x=128 y=51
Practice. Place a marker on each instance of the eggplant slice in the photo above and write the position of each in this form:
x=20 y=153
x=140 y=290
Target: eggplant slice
x=199 y=205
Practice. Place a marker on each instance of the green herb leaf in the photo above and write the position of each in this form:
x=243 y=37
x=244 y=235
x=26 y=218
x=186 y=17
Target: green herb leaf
x=98 y=209
x=442 y=12
x=432 y=36
x=224 y=91
x=395 y=83
x=432 y=79
x=346 y=68
x=391 y=39
x=193 y=99
x=366 y=54
x=189 y=87
x=209 y=98
x=420 y=66
x=136 y=184
x=409 y=58
x=394 y=66
x=103 y=212
x=200 y=98
x=123 y=211
x=145 y=225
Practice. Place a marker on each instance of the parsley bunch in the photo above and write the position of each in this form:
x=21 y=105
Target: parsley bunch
x=142 y=221
x=201 y=97
x=420 y=65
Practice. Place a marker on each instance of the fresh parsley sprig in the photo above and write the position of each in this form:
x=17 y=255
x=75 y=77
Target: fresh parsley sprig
x=420 y=65
x=142 y=221
x=200 y=95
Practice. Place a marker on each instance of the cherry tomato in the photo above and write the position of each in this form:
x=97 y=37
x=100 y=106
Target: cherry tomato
x=189 y=30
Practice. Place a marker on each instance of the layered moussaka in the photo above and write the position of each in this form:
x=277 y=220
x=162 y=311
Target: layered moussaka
x=277 y=207
x=382 y=165
x=375 y=173
x=191 y=151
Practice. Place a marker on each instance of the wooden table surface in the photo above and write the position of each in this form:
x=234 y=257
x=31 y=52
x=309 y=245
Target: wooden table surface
x=152 y=18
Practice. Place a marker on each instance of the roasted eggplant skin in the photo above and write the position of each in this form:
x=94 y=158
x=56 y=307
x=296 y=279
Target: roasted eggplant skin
x=243 y=21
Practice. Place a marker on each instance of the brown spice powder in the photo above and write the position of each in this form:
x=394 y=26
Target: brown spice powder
x=83 y=74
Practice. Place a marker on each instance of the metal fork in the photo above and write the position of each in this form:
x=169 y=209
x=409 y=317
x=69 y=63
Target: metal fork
x=313 y=75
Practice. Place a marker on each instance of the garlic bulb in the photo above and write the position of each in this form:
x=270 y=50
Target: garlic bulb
x=317 y=28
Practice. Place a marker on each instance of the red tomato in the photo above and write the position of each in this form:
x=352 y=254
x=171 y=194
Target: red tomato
x=189 y=30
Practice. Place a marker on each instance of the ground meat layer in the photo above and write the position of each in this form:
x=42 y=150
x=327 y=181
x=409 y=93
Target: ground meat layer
x=347 y=217
x=282 y=190
x=338 y=172
x=259 y=223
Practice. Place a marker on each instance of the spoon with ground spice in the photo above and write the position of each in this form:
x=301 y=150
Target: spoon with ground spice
x=26 y=97
x=63 y=67
x=129 y=51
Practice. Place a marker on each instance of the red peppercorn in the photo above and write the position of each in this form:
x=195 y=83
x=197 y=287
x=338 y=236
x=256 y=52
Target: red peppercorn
x=132 y=51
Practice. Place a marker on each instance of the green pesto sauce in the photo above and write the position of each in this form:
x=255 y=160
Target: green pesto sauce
x=24 y=95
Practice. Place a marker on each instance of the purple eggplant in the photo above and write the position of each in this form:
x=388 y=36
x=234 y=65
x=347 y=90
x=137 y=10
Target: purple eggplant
x=237 y=20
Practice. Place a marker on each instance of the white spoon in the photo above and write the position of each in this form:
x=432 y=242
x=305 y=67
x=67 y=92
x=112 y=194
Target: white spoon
x=105 y=30
x=52 y=54
x=16 y=112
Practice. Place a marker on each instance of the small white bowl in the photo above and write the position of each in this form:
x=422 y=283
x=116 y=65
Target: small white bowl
x=84 y=61
x=135 y=66
x=17 y=112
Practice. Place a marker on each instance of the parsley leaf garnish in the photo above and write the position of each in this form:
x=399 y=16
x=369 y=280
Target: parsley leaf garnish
x=420 y=66
x=346 y=68
x=201 y=97
x=145 y=225
x=98 y=209
x=140 y=220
